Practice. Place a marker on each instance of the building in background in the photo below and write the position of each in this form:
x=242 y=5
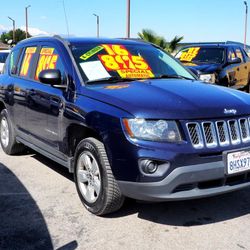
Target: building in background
x=4 y=46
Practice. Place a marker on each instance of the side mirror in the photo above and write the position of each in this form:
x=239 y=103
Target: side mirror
x=50 y=76
x=235 y=60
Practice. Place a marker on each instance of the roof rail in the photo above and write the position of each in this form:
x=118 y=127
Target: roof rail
x=60 y=38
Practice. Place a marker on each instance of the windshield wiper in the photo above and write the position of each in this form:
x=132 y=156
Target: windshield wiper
x=171 y=76
x=111 y=79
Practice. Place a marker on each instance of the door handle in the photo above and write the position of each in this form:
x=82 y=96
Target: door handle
x=57 y=101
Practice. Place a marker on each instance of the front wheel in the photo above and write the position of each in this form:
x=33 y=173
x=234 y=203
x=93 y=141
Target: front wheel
x=94 y=179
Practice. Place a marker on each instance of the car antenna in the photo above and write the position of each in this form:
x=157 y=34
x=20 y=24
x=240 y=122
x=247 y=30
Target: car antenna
x=66 y=18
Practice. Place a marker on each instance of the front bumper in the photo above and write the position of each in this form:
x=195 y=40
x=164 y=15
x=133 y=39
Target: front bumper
x=189 y=182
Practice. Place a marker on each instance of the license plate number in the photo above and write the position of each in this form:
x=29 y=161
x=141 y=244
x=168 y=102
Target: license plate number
x=238 y=162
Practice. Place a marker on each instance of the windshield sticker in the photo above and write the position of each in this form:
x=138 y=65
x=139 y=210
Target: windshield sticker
x=127 y=65
x=47 y=51
x=47 y=60
x=91 y=52
x=26 y=61
x=189 y=64
x=117 y=86
x=94 y=70
x=190 y=54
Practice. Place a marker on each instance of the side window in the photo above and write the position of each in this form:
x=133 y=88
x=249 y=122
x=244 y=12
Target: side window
x=26 y=61
x=230 y=54
x=49 y=58
x=239 y=54
x=13 y=61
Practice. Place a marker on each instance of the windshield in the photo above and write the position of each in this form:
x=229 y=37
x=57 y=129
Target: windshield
x=203 y=55
x=137 y=61
x=3 y=56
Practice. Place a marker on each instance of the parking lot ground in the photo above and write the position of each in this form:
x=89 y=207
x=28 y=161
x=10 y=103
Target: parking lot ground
x=40 y=209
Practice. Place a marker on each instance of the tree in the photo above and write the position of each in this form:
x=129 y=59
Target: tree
x=173 y=44
x=150 y=36
x=19 y=36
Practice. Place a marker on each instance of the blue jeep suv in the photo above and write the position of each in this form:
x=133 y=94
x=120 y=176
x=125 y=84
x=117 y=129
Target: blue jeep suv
x=126 y=119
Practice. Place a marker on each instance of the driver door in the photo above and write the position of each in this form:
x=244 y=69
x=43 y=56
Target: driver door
x=45 y=102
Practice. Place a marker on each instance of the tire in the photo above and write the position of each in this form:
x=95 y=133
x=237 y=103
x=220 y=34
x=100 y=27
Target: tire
x=7 y=135
x=95 y=183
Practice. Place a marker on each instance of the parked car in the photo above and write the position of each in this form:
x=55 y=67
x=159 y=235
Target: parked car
x=3 y=57
x=126 y=118
x=222 y=64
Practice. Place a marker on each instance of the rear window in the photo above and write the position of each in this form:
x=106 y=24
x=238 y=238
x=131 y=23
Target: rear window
x=13 y=61
x=26 y=63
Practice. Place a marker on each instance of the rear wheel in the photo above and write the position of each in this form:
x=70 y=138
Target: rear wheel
x=7 y=135
x=94 y=179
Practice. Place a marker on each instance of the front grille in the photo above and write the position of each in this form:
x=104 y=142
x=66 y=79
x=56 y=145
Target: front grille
x=210 y=134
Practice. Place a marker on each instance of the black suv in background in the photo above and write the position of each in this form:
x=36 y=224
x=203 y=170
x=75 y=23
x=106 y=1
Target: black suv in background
x=223 y=64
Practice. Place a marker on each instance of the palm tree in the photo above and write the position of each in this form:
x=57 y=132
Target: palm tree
x=150 y=36
x=173 y=44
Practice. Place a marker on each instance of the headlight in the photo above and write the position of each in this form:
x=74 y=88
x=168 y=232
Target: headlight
x=207 y=78
x=153 y=130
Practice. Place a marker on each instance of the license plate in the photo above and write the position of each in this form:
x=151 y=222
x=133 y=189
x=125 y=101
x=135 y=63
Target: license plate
x=238 y=161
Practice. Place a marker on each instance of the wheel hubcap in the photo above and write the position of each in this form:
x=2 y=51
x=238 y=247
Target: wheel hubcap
x=4 y=132
x=88 y=177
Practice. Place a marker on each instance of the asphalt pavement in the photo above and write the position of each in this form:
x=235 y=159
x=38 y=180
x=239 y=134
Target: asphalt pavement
x=40 y=209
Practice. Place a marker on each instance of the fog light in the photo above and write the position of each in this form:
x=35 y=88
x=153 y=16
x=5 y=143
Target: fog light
x=148 y=166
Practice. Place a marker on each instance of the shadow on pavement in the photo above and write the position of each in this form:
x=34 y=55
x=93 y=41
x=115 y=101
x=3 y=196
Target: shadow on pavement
x=178 y=213
x=21 y=221
x=191 y=212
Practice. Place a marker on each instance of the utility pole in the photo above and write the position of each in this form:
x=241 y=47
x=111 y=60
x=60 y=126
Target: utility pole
x=97 y=25
x=14 y=29
x=128 y=18
x=245 y=36
x=26 y=19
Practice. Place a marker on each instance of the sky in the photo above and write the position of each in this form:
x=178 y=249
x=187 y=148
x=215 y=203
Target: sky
x=196 y=20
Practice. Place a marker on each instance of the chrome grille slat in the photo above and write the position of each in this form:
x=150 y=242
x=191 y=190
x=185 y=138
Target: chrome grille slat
x=223 y=133
x=195 y=134
x=234 y=132
x=209 y=134
x=244 y=130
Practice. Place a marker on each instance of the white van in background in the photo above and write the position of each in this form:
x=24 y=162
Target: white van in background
x=3 y=57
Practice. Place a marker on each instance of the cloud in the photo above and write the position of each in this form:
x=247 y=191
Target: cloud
x=35 y=31
x=3 y=28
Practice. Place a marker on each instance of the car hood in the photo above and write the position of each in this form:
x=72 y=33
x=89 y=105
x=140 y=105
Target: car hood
x=172 y=99
x=204 y=68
